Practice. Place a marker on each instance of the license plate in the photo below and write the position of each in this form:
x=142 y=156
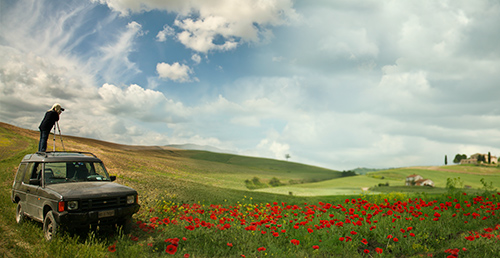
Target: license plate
x=104 y=214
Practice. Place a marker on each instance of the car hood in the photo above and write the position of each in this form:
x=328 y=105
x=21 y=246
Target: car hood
x=90 y=189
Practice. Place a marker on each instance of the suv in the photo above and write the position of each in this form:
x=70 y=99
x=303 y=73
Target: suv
x=70 y=189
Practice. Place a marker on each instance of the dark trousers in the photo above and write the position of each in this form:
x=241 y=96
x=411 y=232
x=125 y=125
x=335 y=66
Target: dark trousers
x=44 y=137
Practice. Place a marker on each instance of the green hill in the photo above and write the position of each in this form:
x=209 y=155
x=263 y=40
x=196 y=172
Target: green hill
x=184 y=172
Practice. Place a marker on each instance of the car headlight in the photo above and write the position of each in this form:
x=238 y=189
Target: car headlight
x=72 y=205
x=130 y=199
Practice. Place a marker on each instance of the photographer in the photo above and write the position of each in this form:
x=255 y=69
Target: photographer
x=50 y=118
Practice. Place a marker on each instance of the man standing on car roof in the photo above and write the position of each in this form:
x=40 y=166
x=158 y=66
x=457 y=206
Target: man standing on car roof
x=50 y=118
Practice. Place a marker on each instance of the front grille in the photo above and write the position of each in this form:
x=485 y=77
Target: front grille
x=102 y=203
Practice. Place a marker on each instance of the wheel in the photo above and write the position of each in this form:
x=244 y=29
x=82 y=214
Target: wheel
x=50 y=226
x=125 y=224
x=20 y=217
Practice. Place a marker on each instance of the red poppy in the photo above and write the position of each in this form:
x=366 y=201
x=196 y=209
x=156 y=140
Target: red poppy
x=353 y=232
x=395 y=239
x=379 y=250
x=260 y=249
x=341 y=238
x=315 y=247
x=171 y=249
x=366 y=251
x=230 y=244
x=364 y=241
x=186 y=255
x=112 y=248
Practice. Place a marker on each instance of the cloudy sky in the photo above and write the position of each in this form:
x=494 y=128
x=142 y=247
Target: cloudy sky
x=334 y=83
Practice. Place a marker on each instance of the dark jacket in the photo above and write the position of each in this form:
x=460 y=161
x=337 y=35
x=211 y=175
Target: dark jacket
x=50 y=118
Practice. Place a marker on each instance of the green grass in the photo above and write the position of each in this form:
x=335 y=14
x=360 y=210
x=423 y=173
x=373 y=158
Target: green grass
x=172 y=178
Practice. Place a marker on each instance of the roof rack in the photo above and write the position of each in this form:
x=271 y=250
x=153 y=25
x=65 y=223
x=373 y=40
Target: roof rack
x=61 y=153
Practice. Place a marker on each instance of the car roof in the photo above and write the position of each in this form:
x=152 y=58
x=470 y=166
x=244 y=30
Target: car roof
x=60 y=157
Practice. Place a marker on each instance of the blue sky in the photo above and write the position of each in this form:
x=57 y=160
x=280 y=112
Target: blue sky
x=338 y=84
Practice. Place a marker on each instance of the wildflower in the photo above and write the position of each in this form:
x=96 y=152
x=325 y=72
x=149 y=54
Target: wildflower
x=395 y=239
x=366 y=251
x=379 y=250
x=260 y=249
x=364 y=241
x=186 y=255
x=112 y=248
x=315 y=247
x=341 y=239
x=171 y=249
x=353 y=232
x=230 y=244
x=389 y=236
x=295 y=241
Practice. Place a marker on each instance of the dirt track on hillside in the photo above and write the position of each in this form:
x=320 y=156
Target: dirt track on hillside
x=474 y=170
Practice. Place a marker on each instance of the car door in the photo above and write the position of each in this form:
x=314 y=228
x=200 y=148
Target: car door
x=31 y=189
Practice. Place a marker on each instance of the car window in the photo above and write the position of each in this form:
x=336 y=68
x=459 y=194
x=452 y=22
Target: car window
x=27 y=175
x=20 y=172
x=33 y=171
x=61 y=172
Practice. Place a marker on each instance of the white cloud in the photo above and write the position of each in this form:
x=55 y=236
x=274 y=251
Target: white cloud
x=166 y=32
x=115 y=64
x=203 y=21
x=196 y=58
x=175 y=72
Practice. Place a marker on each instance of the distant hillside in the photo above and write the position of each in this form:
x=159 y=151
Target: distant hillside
x=190 y=146
x=194 y=174
x=199 y=166
x=364 y=171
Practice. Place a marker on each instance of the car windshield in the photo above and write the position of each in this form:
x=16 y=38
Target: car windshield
x=61 y=172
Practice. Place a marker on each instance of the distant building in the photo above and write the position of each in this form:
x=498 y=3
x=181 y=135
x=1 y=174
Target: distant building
x=475 y=157
x=418 y=180
x=424 y=182
x=412 y=178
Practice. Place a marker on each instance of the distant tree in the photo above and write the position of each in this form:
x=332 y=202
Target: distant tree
x=489 y=157
x=459 y=157
x=445 y=159
x=275 y=182
x=481 y=158
x=287 y=156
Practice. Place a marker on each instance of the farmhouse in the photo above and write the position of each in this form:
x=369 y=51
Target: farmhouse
x=475 y=157
x=418 y=180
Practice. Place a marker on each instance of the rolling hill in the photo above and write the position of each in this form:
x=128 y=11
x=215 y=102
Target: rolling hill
x=165 y=170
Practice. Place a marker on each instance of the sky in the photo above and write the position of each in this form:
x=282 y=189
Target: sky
x=339 y=84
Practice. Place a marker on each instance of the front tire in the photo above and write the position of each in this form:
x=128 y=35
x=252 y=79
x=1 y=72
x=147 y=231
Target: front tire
x=20 y=217
x=50 y=226
x=125 y=224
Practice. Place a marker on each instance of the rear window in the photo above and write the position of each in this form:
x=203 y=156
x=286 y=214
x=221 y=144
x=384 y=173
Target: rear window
x=20 y=172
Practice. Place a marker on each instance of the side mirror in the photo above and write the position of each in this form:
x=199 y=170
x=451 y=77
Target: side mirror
x=34 y=181
x=113 y=178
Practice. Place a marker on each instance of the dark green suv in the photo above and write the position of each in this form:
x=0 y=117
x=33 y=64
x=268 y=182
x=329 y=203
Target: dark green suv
x=70 y=190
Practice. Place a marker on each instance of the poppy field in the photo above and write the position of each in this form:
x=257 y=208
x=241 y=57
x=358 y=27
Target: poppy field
x=390 y=225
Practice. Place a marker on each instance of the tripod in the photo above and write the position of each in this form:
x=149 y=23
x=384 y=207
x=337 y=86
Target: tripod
x=60 y=136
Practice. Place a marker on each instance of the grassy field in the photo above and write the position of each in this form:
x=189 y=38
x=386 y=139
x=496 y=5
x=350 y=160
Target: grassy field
x=186 y=188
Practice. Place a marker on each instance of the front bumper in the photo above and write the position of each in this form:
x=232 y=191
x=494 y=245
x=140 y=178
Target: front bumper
x=108 y=216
